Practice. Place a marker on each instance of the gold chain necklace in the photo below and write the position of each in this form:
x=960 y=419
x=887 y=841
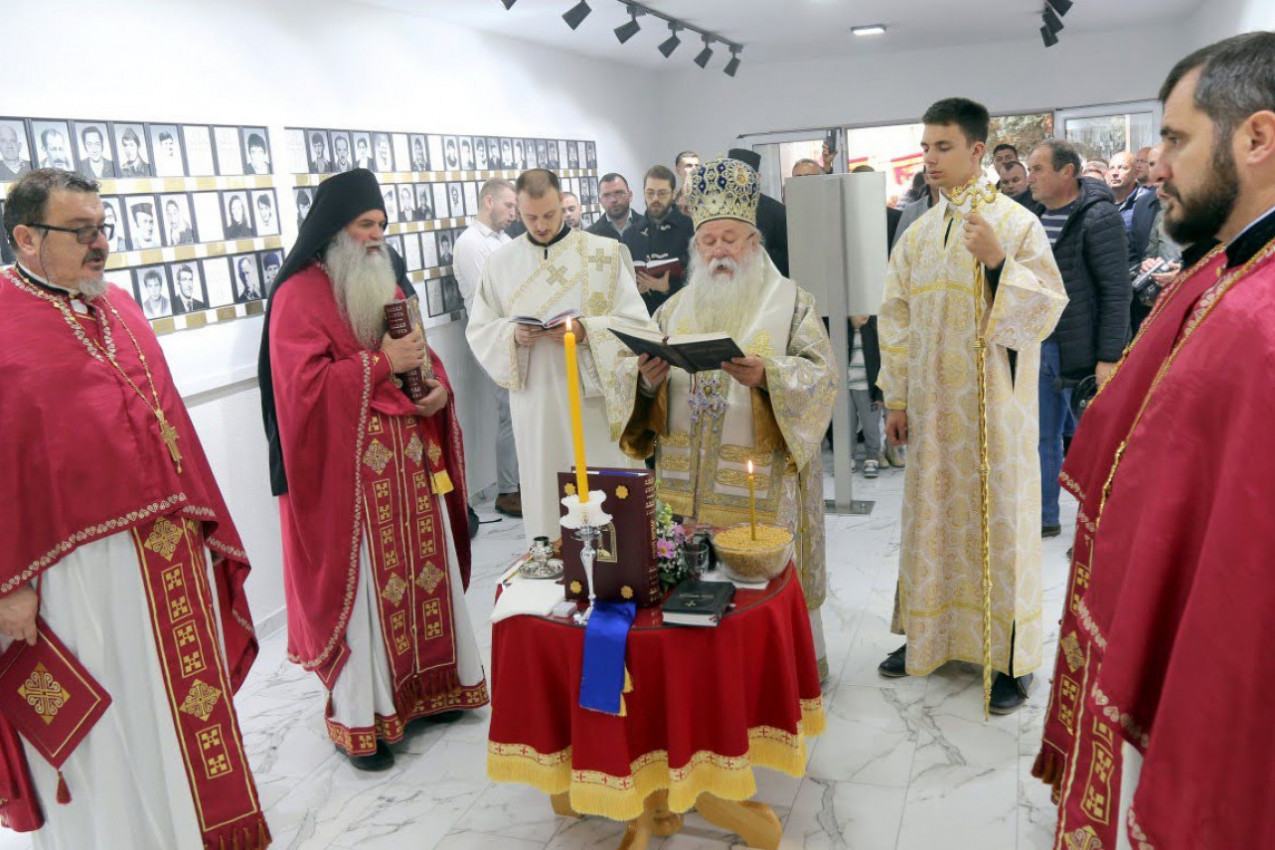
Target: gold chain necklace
x=106 y=354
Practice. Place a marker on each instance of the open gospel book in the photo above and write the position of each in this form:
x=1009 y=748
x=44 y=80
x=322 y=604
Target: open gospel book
x=691 y=352
x=551 y=322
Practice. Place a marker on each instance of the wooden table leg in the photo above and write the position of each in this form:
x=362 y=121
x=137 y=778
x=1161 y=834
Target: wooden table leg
x=754 y=822
x=656 y=820
x=562 y=805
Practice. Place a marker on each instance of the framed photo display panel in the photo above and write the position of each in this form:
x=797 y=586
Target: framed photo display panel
x=200 y=160
x=94 y=153
x=15 y=149
x=166 y=150
x=256 y=150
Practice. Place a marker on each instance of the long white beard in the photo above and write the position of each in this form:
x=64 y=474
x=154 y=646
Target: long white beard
x=722 y=302
x=363 y=283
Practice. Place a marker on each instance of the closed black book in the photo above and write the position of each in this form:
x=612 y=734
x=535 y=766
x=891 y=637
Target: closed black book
x=691 y=352
x=698 y=603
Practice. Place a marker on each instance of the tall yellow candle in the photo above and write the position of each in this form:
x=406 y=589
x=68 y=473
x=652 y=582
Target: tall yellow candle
x=752 y=501
x=577 y=422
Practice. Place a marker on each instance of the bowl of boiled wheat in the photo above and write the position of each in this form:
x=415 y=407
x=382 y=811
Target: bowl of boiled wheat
x=753 y=559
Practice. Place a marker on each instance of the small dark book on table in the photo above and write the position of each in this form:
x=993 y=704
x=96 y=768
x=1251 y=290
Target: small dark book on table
x=624 y=567
x=698 y=603
x=401 y=318
x=691 y=352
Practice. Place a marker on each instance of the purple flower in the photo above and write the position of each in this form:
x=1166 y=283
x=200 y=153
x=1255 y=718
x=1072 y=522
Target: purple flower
x=666 y=549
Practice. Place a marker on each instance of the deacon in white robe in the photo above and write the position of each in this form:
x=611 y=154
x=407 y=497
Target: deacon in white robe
x=548 y=271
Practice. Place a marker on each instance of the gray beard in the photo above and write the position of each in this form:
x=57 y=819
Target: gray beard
x=362 y=283
x=92 y=289
x=721 y=303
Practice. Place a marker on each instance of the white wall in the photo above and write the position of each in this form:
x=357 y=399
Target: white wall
x=709 y=110
x=1218 y=19
x=326 y=63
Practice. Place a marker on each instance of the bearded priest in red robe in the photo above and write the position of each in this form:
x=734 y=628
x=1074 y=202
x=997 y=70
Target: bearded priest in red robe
x=1159 y=730
x=371 y=486
x=116 y=537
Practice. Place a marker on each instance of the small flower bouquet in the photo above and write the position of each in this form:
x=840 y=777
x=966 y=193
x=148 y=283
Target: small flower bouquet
x=669 y=554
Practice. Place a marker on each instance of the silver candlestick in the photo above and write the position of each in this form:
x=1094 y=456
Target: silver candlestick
x=587 y=534
x=587 y=521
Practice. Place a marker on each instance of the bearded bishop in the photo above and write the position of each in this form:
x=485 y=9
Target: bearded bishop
x=117 y=545
x=371 y=486
x=770 y=407
x=549 y=271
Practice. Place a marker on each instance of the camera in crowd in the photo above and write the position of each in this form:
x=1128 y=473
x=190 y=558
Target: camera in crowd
x=1145 y=288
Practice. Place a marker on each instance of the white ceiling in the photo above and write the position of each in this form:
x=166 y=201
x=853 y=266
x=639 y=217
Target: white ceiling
x=782 y=30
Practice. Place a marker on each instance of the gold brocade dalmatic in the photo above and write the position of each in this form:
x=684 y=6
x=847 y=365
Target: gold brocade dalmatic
x=929 y=368
x=704 y=429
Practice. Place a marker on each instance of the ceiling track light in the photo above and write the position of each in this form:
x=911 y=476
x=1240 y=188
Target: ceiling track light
x=671 y=43
x=626 y=31
x=1062 y=7
x=1049 y=38
x=705 y=54
x=1051 y=20
x=509 y=4
x=733 y=65
x=576 y=14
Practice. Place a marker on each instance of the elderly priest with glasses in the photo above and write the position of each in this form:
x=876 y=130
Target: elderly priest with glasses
x=122 y=609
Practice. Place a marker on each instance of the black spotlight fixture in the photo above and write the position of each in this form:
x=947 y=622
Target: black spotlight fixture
x=705 y=54
x=671 y=43
x=1062 y=7
x=576 y=14
x=1051 y=20
x=626 y=31
x=733 y=65
x=509 y=4
x=1049 y=38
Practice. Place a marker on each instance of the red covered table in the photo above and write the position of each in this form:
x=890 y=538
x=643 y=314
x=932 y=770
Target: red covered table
x=708 y=705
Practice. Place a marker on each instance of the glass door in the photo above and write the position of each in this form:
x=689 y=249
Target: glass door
x=1098 y=132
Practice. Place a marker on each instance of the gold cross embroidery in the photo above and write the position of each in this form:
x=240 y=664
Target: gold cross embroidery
x=43 y=693
x=600 y=259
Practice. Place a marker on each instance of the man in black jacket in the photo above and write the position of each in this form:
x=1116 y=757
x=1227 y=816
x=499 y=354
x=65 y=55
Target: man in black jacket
x=772 y=218
x=1091 y=248
x=661 y=244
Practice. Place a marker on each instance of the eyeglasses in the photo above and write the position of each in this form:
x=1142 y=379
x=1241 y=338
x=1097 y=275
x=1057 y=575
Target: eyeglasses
x=661 y=194
x=85 y=235
x=614 y=196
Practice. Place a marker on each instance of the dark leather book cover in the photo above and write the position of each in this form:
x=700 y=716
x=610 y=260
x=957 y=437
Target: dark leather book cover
x=402 y=317
x=698 y=602
x=691 y=355
x=624 y=568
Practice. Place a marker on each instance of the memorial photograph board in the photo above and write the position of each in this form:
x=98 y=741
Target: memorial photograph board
x=256 y=145
x=229 y=151
x=207 y=212
x=94 y=154
x=188 y=292
x=246 y=278
x=197 y=141
x=175 y=214
x=265 y=212
x=152 y=291
x=15 y=149
x=166 y=150
x=52 y=141
x=143 y=222
x=236 y=218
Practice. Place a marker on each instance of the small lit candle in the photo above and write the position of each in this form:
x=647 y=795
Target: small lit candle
x=752 y=501
x=577 y=422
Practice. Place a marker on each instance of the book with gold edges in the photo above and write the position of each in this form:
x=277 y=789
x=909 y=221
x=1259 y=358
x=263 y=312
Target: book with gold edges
x=625 y=567
x=48 y=696
x=403 y=317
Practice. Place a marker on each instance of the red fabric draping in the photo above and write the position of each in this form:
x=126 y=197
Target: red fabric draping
x=707 y=705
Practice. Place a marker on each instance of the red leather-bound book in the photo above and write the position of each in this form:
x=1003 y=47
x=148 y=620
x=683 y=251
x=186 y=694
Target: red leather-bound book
x=403 y=317
x=624 y=568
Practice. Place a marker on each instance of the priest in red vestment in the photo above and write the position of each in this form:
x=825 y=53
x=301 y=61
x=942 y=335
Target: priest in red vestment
x=116 y=536
x=1159 y=731
x=371 y=486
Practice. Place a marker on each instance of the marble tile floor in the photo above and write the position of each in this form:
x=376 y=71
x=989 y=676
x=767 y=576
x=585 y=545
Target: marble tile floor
x=905 y=763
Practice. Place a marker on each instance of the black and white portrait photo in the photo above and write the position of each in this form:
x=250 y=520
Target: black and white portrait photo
x=246 y=278
x=15 y=151
x=342 y=155
x=529 y=153
x=406 y=202
x=494 y=160
x=304 y=200
x=206 y=207
x=189 y=295
x=143 y=223
x=452 y=300
x=197 y=142
x=363 y=151
x=151 y=285
x=590 y=155
x=132 y=150
x=112 y=214
x=451 y=156
x=270 y=263
x=317 y=147
x=53 y=144
x=383 y=152
x=391 y=204
x=175 y=210
x=542 y=154
x=455 y=200
x=423 y=203
x=520 y=155
x=444 y=247
x=166 y=150
x=265 y=212
x=420 y=153
x=256 y=150
x=238 y=221
x=466 y=153
x=480 y=153
x=94 y=157
x=573 y=155
x=507 y=154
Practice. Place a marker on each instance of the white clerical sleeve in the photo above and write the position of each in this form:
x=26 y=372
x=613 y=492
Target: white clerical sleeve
x=1030 y=296
x=491 y=336
x=894 y=324
x=802 y=384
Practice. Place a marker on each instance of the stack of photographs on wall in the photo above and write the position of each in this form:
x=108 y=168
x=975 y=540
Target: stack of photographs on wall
x=186 y=202
x=430 y=185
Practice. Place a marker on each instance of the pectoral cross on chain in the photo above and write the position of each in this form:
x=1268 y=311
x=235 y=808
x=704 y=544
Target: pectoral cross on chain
x=170 y=437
